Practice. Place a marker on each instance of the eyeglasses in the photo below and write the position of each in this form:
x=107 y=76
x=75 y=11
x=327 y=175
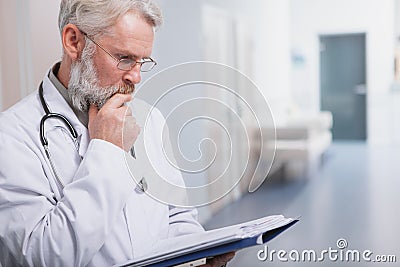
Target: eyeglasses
x=127 y=64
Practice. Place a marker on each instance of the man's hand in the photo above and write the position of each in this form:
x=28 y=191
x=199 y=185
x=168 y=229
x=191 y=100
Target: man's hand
x=114 y=122
x=220 y=260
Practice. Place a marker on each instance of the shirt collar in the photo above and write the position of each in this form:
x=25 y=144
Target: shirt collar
x=83 y=117
x=58 y=104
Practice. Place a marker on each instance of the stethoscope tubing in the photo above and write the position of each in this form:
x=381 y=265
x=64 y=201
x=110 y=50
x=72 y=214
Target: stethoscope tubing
x=43 y=139
x=50 y=115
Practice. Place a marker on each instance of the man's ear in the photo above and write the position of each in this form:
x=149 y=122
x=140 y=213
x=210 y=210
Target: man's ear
x=73 y=41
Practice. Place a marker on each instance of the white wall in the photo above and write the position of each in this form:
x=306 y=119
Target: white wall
x=269 y=29
x=9 y=53
x=45 y=38
x=30 y=43
x=374 y=17
x=179 y=40
x=1 y=84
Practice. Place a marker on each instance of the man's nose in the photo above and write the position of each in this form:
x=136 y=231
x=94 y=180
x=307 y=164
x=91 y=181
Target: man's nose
x=133 y=76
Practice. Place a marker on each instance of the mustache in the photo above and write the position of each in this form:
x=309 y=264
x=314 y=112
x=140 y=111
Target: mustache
x=110 y=92
x=125 y=89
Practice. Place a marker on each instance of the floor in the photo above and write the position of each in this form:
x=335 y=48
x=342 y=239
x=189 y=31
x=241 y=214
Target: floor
x=354 y=196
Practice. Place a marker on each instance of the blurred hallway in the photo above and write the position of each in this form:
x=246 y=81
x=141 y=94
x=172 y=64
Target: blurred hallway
x=353 y=196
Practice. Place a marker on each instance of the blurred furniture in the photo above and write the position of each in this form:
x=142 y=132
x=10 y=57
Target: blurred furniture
x=301 y=142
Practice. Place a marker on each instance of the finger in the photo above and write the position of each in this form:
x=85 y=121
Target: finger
x=222 y=259
x=93 y=112
x=229 y=256
x=129 y=125
x=117 y=100
x=217 y=261
x=128 y=111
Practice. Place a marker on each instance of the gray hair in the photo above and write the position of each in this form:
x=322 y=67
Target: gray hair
x=95 y=17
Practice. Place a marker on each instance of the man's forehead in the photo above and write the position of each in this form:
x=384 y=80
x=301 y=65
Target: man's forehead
x=133 y=25
x=133 y=29
x=132 y=34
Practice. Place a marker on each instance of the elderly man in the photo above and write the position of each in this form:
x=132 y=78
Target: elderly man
x=67 y=197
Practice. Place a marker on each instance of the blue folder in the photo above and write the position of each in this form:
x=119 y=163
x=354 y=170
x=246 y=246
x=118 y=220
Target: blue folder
x=217 y=249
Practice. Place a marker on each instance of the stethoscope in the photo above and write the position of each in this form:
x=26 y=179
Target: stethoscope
x=142 y=184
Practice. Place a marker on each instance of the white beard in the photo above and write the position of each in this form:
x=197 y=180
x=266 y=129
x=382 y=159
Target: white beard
x=83 y=89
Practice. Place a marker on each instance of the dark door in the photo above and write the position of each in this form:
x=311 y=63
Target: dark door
x=343 y=84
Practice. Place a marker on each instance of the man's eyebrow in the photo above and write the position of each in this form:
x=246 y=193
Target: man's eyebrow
x=126 y=53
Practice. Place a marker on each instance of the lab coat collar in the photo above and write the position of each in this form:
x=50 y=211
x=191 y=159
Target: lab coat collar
x=58 y=104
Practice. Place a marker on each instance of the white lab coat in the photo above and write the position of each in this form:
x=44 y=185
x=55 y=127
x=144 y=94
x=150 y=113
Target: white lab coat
x=98 y=219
